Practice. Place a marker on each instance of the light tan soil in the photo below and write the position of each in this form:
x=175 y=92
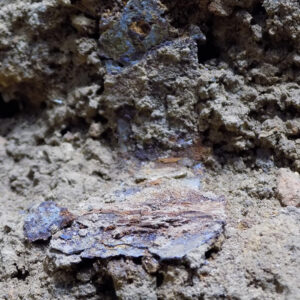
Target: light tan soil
x=219 y=85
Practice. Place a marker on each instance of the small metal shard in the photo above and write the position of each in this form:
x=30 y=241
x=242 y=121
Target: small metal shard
x=42 y=220
x=141 y=27
x=166 y=223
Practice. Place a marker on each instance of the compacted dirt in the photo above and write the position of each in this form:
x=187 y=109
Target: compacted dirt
x=173 y=127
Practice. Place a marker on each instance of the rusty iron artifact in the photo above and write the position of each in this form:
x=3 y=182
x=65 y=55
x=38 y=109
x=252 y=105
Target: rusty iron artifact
x=140 y=27
x=42 y=220
x=167 y=223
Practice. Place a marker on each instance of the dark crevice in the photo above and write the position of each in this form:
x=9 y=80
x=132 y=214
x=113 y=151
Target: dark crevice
x=137 y=260
x=208 y=50
x=65 y=130
x=126 y=112
x=9 y=109
x=259 y=14
x=102 y=281
x=101 y=119
x=159 y=279
x=264 y=285
x=211 y=253
x=39 y=141
x=272 y=110
x=293 y=137
x=77 y=125
x=71 y=126
x=108 y=136
x=279 y=288
x=182 y=13
x=100 y=91
x=20 y=274
x=107 y=288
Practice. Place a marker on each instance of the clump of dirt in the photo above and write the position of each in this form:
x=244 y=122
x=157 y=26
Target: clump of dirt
x=100 y=100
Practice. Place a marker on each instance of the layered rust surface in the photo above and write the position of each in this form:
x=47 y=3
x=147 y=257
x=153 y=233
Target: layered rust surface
x=169 y=225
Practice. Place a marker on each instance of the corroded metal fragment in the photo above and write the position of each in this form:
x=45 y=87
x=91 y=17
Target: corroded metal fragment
x=140 y=27
x=42 y=220
x=167 y=223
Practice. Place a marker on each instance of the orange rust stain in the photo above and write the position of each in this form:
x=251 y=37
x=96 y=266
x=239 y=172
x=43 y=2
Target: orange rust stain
x=140 y=27
x=169 y=160
x=199 y=152
x=111 y=227
x=173 y=139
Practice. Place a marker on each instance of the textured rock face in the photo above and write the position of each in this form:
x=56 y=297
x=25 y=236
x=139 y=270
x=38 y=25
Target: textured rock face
x=233 y=89
x=101 y=100
x=151 y=97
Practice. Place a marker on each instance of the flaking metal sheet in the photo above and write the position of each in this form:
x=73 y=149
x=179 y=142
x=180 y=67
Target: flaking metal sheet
x=167 y=223
x=42 y=220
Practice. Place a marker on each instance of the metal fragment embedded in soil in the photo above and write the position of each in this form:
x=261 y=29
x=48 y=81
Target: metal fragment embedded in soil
x=165 y=222
x=42 y=220
x=140 y=27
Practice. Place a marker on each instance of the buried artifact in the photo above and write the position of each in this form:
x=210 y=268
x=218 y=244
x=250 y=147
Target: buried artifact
x=43 y=220
x=165 y=223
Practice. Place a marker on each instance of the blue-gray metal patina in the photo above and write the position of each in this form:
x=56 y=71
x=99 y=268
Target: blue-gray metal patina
x=140 y=28
x=42 y=220
x=169 y=225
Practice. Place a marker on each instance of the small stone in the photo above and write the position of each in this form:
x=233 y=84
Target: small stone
x=296 y=59
x=65 y=2
x=217 y=8
x=2 y=141
x=82 y=232
x=63 y=261
x=150 y=264
x=96 y=129
x=85 y=275
x=288 y=186
x=83 y=24
x=85 y=290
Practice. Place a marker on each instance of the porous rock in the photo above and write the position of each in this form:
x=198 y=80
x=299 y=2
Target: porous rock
x=288 y=185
